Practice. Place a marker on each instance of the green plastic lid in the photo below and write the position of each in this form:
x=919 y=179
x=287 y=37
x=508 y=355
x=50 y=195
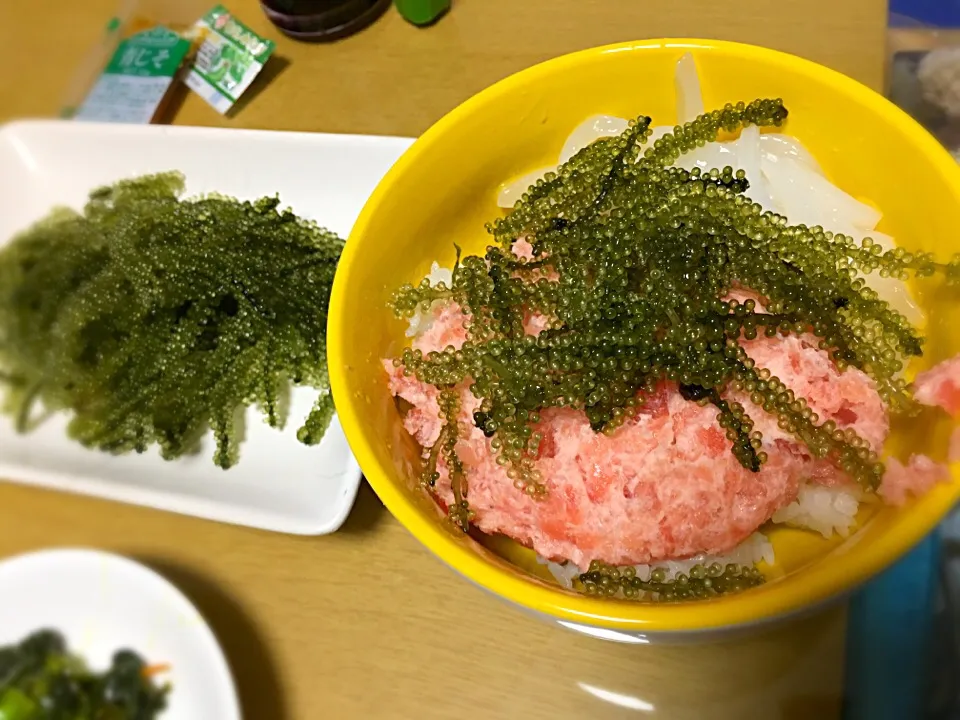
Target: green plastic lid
x=422 y=12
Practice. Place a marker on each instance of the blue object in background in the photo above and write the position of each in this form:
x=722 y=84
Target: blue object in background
x=942 y=13
x=903 y=628
x=889 y=633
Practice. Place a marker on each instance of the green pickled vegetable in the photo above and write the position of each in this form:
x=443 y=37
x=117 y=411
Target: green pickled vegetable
x=632 y=262
x=16 y=705
x=41 y=680
x=151 y=319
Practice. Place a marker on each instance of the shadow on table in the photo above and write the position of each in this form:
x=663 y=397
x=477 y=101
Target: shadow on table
x=271 y=71
x=810 y=706
x=252 y=667
x=367 y=513
x=167 y=113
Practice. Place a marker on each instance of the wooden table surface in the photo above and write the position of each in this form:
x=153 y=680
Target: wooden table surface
x=365 y=623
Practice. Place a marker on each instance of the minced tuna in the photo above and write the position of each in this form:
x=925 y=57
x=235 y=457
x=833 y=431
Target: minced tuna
x=663 y=486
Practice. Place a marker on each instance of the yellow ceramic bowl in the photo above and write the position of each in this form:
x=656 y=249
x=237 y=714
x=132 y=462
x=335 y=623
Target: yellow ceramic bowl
x=443 y=190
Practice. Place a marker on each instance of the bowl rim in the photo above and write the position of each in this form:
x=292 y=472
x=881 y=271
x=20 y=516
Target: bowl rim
x=821 y=581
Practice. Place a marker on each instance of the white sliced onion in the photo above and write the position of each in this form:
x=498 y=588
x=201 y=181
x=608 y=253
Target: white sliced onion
x=806 y=197
x=748 y=151
x=591 y=129
x=712 y=155
x=689 y=95
x=747 y=155
x=439 y=275
x=810 y=199
x=510 y=192
x=782 y=145
x=886 y=242
x=897 y=294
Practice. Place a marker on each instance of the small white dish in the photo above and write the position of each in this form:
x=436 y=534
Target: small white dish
x=279 y=484
x=102 y=603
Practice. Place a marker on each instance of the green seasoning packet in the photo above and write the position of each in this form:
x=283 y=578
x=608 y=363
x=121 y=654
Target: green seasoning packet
x=229 y=58
x=134 y=83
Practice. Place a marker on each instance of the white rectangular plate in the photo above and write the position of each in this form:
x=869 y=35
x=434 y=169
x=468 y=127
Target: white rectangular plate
x=278 y=484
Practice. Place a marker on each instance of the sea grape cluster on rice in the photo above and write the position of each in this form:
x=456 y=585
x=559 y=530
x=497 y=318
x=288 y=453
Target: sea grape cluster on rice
x=701 y=583
x=150 y=318
x=633 y=263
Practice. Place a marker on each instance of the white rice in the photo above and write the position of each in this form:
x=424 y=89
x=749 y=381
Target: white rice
x=421 y=321
x=824 y=510
x=827 y=511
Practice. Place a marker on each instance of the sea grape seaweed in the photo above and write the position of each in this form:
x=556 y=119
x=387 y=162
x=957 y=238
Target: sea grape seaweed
x=701 y=583
x=150 y=318
x=632 y=264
